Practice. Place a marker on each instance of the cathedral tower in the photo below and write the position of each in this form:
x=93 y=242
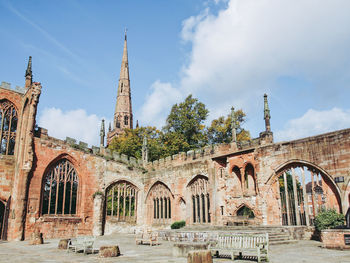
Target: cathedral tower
x=123 y=111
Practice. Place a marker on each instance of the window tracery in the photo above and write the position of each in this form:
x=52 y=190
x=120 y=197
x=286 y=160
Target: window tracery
x=200 y=200
x=60 y=189
x=161 y=203
x=121 y=201
x=8 y=127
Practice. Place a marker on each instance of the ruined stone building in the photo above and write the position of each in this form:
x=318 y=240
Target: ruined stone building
x=65 y=189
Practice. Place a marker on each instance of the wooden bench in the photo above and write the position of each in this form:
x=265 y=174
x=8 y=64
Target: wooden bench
x=148 y=237
x=84 y=244
x=249 y=244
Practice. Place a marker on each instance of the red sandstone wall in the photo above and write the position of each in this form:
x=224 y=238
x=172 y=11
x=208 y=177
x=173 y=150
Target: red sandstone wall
x=47 y=151
x=7 y=171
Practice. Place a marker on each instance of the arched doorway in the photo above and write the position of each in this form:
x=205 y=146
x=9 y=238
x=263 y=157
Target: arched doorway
x=304 y=190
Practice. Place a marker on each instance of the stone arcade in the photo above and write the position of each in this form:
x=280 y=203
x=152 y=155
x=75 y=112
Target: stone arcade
x=65 y=189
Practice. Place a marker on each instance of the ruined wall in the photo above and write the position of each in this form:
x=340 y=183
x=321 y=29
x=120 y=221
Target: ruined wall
x=89 y=169
x=7 y=171
x=329 y=153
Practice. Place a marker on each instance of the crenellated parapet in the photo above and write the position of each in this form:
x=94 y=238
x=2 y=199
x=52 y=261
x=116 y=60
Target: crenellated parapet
x=7 y=86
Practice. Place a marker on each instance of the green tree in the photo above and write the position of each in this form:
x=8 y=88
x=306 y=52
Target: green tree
x=185 y=122
x=220 y=130
x=130 y=143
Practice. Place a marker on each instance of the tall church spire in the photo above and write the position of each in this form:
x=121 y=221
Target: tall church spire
x=123 y=117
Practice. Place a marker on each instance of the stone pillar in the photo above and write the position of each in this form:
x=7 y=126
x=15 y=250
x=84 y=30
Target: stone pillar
x=98 y=215
x=314 y=210
x=295 y=197
x=287 y=197
x=306 y=198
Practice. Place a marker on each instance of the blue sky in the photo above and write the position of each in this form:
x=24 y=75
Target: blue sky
x=226 y=53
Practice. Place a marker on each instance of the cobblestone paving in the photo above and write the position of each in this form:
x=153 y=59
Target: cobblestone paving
x=300 y=252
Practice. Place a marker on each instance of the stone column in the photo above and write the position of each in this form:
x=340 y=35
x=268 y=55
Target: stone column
x=306 y=199
x=98 y=215
x=295 y=197
x=314 y=210
x=287 y=197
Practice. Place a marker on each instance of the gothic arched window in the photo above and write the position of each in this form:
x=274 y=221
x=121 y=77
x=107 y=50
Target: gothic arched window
x=60 y=189
x=8 y=127
x=200 y=199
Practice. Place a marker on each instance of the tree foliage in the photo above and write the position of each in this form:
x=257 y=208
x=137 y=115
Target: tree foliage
x=130 y=143
x=328 y=218
x=184 y=131
x=186 y=120
x=220 y=130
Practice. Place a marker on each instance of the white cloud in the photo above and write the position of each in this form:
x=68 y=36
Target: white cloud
x=314 y=122
x=157 y=104
x=242 y=52
x=76 y=124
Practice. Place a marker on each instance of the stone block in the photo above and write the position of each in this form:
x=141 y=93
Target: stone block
x=63 y=243
x=109 y=251
x=133 y=161
x=182 y=249
x=168 y=159
x=71 y=141
x=83 y=145
x=124 y=158
x=116 y=156
x=95 y=149
x=36 y=238
x=190 y=154
x=199 y=256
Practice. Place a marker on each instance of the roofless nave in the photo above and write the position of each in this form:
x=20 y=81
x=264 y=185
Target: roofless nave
x=66 y=189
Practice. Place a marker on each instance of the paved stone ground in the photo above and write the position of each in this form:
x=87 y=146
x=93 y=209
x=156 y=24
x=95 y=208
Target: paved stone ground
x=300 y=252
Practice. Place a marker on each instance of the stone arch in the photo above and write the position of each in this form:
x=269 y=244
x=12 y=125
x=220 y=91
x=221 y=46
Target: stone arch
x=195 y=177
x=249 y=179
x=234 y=182
x=159 y=204
x=302 y=189
x=155 y=183
x=121 y=201
x=60 y=187
x=199 y=196
x=244 y=205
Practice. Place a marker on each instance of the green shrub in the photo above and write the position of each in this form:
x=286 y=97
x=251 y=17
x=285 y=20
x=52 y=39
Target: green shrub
x=178 y=224
x=328 y=218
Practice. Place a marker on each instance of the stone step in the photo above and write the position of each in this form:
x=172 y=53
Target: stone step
x=282 y=242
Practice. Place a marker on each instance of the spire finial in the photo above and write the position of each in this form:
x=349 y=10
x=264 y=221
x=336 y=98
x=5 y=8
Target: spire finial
x=102 y=133
x=125 y=32
x=29 y=68
x=233 y=125
x=267 y=115
x=145 y=150
x=137 y=124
